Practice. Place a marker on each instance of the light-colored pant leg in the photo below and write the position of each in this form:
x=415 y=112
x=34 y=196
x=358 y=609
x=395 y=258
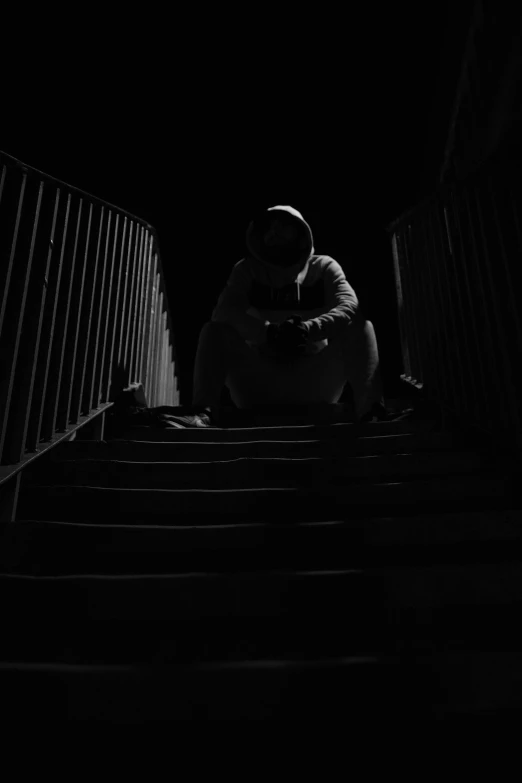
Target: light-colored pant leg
x=224 y=358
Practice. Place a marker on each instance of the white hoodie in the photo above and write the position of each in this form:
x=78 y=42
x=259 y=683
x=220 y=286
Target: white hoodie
x=259 y=293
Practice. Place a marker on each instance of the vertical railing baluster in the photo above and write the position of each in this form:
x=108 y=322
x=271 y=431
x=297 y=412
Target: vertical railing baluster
x=155 y=347
x=171 y=375
x=158 y=343
x=16 y=285
x=52 y=287
x=162 y=349
x=141 y=308
x=164 y=358
x=80 y=305
x=33 y=340
x=148 y=336
x=28 y=330
x=130 y=308
x=113 y=306
x=93 y=381
x=127 y=250
x=50 y=401
x=13 y=194
x=160 y=374
x=142 y=363
x=153 y=339
x=71 y=323
x=101 y=232
x=113 y=375
x=106 y=306
x=135 y=308
x=84 y=322
x=150 y=347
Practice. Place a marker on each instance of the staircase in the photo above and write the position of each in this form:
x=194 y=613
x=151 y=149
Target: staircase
x=366 y=573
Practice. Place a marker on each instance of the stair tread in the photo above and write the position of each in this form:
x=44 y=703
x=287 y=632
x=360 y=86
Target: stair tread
x=282 y=432
x=298 y=491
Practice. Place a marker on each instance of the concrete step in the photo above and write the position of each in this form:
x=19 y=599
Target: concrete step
x=204 y=450
x=190 y=617
x=279 y=432
x=60 y=548
x=361 y=692
x=249 y=472
x=357 y=691
x=116 y=505
x=308 y=615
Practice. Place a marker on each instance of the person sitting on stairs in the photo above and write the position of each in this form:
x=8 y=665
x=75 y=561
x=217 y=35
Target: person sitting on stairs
x=287 y=329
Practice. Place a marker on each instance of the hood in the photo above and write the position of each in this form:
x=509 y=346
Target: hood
x=302 y=249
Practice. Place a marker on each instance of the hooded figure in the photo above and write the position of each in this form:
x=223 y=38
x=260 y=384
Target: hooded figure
x=281 y=276
x=282 y=286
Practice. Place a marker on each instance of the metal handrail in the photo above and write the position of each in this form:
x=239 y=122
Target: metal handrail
x=83 y=306
x=455 y=259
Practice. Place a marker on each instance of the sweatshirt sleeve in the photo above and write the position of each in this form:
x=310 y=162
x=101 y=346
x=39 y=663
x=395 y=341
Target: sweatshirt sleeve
x=341 y=300
x=233 y=304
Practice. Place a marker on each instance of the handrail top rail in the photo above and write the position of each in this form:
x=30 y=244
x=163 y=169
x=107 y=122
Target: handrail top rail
x=33 y=171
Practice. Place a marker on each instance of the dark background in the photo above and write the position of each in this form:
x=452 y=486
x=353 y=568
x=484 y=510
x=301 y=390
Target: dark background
x=194 y=122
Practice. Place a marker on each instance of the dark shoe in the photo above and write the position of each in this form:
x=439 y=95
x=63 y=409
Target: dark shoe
x=181 y=421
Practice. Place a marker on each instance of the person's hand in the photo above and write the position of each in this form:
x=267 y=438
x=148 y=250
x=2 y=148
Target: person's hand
x=289 y=338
